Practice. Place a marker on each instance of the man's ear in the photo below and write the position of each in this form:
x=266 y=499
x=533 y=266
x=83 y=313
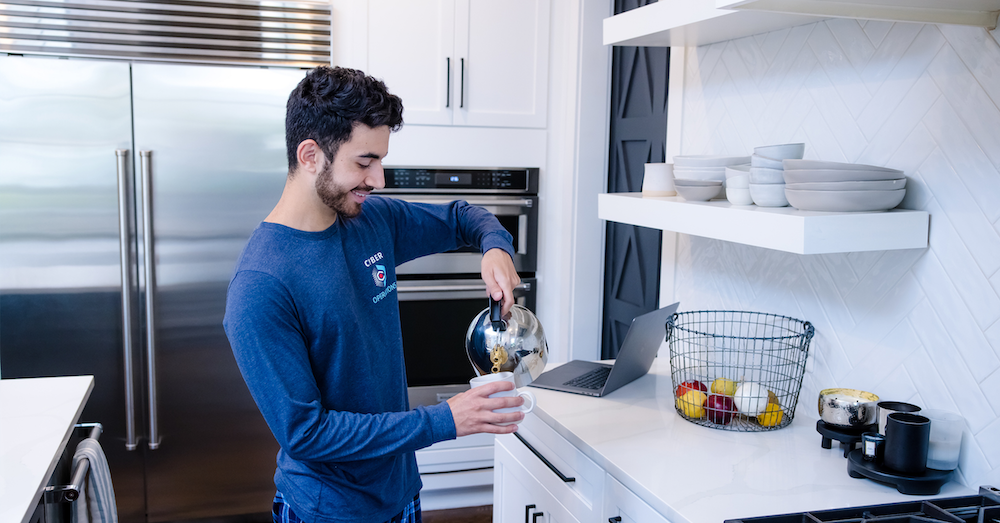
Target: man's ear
x=310 y=156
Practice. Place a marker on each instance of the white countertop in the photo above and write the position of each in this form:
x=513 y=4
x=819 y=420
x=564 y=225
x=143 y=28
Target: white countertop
x=36 y=420
x=696 y=474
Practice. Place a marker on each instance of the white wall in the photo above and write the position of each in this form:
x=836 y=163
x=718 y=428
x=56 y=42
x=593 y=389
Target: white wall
x=916 y=325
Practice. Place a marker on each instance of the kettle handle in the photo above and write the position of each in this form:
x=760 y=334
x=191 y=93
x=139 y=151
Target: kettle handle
x=495 y=319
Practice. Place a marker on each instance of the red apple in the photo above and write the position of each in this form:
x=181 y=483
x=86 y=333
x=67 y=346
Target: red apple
x=690 y=385
x=720 y=408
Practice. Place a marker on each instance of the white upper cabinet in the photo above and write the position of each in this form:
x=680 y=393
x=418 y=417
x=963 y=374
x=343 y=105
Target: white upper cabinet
x=689 y=23
x=453 y=62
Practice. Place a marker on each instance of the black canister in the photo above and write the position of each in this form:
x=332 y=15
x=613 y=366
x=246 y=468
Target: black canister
x=906 y=440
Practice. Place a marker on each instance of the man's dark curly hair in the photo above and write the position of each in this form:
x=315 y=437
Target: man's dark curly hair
x=327 y=104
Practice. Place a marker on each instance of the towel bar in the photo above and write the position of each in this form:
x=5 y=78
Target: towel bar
x=69 y=493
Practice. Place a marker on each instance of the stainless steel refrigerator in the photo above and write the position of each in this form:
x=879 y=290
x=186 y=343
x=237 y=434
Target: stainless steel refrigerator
x=127 y=191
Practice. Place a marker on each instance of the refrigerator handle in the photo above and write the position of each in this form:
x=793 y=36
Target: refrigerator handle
x=124 y=228
x=150 y=275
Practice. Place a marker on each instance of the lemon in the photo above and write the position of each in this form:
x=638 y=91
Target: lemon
x=691 y=403
x=771 y=416
x=724 y=386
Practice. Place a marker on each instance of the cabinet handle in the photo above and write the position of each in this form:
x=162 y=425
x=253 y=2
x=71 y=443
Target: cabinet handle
x=447 y=89
x=616 y=519
x=461 y=93
x=527 y=512
x=535 y=516
x=551 y=467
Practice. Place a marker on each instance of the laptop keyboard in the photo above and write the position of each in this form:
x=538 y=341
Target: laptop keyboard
x=592 y=380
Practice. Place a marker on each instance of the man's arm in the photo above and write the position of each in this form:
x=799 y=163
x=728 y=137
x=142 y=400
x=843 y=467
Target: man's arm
x=271 y=351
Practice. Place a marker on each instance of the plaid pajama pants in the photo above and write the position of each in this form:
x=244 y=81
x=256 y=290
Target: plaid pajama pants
x=281 y=512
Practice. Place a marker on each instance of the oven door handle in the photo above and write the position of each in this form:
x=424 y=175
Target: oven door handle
x=400 y=287
x=506 y=202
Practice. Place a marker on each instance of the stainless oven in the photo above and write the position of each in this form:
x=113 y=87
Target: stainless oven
x=439 y=295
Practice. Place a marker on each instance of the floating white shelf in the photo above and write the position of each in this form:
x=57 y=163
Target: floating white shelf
x=689 y=23
x=780 y=228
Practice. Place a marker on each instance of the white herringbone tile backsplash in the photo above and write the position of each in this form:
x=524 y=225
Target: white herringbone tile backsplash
x=914 y=325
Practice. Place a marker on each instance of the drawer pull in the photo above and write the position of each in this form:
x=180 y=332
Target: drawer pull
x=616 y=519
x=535 y=516
x=527 y=512
x=547 y=464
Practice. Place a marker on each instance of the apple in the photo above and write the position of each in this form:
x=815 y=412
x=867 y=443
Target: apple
x=690 y=385
x=720 y=408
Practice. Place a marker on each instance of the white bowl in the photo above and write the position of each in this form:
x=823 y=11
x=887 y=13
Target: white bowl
x=739 y=182
x=737 y=170
x=844 y=201
x=765 y=175
x=697 y=183
x=698 y=193
x=738 y=196
x=701 y=174
x=839 y=175
x=874 y=185
x=763 y=161
x=707 y=160
x=781 y=151
x=768 y=194
x=792 y=164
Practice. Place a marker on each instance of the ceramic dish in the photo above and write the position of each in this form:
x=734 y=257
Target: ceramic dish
x=739 y=182
x=791 y=164
x=764 y=161
x=781 y=151
x=875 y=185
x=738 y=196
x=768 y=194
x=737 y=170
x=698 y=193
x=698 y=174
x=844 y=201
x=847 y=407
x=765 y=175
x=709 y=160
x=838 y=175
x=697 y=183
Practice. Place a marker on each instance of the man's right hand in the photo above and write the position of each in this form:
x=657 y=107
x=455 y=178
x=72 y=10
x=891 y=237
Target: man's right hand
x=473 y=410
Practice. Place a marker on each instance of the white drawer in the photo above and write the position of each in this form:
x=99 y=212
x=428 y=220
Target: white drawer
x=583 y=496
x=624 y=504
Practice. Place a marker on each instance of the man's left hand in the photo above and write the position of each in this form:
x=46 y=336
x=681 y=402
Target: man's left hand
x=500 y=277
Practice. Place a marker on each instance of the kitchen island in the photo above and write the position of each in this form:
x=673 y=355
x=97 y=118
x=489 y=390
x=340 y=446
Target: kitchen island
x=37 y=416
x=633 y=441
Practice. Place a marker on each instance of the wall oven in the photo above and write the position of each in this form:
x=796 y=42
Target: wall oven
x=439 y=295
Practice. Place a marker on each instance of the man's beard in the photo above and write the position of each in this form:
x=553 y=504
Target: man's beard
x=335 y=197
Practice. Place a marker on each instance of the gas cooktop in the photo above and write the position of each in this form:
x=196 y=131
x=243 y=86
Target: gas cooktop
x=984 y=508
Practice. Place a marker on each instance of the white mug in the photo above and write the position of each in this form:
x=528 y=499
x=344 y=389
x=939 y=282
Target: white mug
x=529 y=398
x=658 y=179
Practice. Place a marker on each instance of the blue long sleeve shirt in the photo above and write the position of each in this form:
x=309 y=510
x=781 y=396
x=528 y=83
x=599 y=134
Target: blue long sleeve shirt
x=313 y=320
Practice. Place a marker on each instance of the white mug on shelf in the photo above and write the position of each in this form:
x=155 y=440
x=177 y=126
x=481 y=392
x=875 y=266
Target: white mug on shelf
x=658 y=180
x=529 y=398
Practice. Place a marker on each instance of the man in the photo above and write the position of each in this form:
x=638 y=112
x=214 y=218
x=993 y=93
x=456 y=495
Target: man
x=313 y=317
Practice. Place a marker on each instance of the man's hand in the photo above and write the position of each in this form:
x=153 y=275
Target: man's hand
x=500 y=277
x=473 y=409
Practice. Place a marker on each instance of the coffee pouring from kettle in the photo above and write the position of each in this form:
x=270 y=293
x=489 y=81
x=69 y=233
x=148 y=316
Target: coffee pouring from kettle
x=513 y=344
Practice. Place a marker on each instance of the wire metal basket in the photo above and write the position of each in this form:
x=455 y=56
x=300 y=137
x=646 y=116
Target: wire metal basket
x=734 y=370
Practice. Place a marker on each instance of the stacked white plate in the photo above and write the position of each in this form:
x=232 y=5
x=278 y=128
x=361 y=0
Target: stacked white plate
x=812 y=185
x=705 y=167
x=697 y=190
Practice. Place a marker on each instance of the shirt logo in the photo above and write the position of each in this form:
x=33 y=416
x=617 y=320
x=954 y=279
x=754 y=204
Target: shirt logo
x=378 y=274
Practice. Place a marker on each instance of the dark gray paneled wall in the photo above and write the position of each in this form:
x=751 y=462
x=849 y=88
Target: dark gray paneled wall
x=638 y=136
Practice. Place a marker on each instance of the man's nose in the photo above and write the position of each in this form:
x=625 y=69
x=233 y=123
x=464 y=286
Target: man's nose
x=376 y=176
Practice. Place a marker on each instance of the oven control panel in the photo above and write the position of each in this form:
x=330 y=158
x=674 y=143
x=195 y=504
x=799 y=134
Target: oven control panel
x=442 y=180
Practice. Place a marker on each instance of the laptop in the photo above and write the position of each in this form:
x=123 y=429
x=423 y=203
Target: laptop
x=635 y=357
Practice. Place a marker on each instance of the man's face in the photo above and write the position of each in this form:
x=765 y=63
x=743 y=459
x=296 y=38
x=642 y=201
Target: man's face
x=356 y=170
